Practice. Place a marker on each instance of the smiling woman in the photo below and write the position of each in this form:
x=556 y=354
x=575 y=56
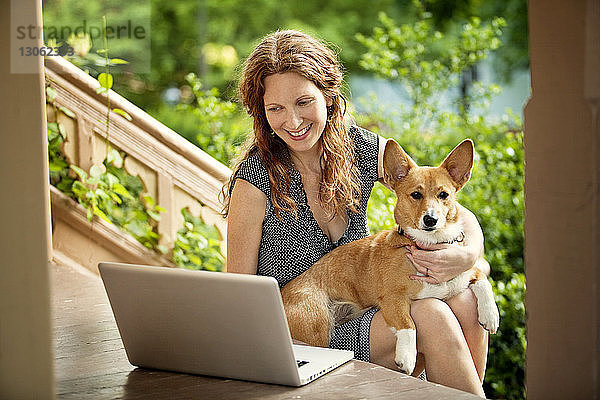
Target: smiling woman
x=295 y=75
x=300 y=189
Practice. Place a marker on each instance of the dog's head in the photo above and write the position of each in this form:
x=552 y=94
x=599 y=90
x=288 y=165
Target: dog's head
x=426 y=207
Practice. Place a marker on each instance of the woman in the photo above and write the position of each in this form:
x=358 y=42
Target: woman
x=300 y=189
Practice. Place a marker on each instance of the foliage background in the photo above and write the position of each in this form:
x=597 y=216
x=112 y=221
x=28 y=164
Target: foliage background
x=412 y=54
x=196 y=49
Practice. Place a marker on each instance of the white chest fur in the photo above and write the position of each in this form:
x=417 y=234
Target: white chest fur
x=445 y=290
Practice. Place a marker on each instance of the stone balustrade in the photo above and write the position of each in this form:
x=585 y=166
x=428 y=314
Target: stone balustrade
x=174 y=172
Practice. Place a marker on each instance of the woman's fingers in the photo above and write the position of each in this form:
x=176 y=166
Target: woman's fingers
x=424 y=269
x=420 y=268
x=434 y=246
x=426 y=261
x=428 y=279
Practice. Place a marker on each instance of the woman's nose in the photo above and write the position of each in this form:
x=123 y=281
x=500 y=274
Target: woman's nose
x=293 y=120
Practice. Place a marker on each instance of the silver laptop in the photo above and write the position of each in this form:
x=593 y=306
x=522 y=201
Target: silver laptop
x=210 y=323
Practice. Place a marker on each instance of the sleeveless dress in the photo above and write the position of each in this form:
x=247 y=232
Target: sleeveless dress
x=289 y=246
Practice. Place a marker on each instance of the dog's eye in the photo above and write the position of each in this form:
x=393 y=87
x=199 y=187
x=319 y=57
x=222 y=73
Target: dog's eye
x=416 y=195
x=443 y=195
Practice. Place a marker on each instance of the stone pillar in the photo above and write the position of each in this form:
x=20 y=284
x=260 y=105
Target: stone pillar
x=561 y=191
x=26 y=347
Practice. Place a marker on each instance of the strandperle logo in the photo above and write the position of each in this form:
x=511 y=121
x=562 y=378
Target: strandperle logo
x=128 y=30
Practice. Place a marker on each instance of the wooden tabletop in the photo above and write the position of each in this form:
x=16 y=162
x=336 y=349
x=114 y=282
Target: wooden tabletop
x=91 y=362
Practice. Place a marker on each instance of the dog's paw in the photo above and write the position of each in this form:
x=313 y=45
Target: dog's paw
x=406 y=350
x=487 y=309
x=489 y=317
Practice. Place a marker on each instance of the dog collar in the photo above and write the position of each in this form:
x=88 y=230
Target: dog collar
x=459 y=239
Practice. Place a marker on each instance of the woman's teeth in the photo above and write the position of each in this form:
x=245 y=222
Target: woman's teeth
x=300 y=133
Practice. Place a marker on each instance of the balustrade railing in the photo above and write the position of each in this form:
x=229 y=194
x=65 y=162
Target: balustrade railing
x=174 y=172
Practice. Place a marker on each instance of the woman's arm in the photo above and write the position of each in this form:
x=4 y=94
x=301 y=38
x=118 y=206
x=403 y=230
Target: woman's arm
x=442 y=262
x=474 y=239
x=244 y=227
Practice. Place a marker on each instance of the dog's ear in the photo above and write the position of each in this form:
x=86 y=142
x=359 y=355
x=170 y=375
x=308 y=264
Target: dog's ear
x=459 y=163
x=396 y=163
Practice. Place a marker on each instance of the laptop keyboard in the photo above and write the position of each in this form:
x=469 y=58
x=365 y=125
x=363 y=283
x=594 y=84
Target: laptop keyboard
x=301 y=363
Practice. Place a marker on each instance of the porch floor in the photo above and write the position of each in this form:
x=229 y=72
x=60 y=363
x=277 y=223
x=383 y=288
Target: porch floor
x=91 y=362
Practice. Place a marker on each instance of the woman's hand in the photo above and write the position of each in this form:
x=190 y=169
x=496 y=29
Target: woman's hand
x=440 y=262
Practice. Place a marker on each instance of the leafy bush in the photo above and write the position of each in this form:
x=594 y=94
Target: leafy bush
x=109 y=192
x=428 y=64
x=505 y=375
x=215 y=125
x=112 y=194
x=197 y=245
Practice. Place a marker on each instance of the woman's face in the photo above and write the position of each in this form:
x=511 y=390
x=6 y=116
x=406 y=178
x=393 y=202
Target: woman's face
x=296 y=110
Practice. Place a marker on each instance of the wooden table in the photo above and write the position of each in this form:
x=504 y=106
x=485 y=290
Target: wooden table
x=91 y=362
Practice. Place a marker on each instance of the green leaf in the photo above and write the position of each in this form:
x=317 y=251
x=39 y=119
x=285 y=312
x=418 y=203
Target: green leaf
x=63 y=131
x=122 y=113
x=101 y=90
x=112 y=180
x=51 y=137
x=114 y=158
x=153 y=215
x=67 y=112
x=101 y=194
x=57 y=165
x=79 y=188
x=96 y=171
x=149 y=201
x=105 y=80
x=115 y=61
x=101 y=214
x=115 y=198
x=81 y=173
x=50 y=94
x=160 y=209
x=53 y=126
x=65 y=186
x=120 y=189
x=195 y=259
x=93 y=180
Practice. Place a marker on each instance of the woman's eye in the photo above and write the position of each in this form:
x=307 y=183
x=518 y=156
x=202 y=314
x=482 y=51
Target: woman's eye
x=416 y=195
x=304 y=102
x=443 y=195
x=273 y=109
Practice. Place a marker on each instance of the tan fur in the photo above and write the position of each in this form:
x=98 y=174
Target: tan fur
x=374 y=271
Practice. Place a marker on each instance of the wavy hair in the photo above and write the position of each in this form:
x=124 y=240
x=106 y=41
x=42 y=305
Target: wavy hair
x=294 y=51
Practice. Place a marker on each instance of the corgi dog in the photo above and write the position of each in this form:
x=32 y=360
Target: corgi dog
x=374 y=271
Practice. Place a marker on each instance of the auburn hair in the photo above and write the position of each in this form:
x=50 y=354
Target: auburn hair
x=294 y=51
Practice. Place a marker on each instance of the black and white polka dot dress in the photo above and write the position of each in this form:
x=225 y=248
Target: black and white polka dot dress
x=291 y=245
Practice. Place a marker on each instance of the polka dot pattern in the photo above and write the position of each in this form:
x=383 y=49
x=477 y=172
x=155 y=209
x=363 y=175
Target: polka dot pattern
x=291 y=245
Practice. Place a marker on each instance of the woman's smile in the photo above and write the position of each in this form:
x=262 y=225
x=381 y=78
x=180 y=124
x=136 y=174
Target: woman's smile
x=300 y=134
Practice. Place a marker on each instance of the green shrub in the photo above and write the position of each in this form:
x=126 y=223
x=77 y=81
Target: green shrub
x=215 y=125
x=197 y=245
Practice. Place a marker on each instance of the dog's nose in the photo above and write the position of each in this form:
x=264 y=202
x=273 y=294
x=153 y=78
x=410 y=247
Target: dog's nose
x=429 y=221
